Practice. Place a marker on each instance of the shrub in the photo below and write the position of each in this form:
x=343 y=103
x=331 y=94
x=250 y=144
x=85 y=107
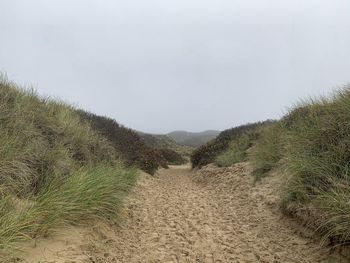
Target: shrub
x=130 y=146
x=172 y=157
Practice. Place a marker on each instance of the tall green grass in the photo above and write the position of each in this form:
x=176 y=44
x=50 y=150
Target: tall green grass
x=208 y=152
x=317 y=153
x=86 y=194
x=312 y=144
x=40 y=137
x=268 y=149
x=55 y=168
x=235 y=153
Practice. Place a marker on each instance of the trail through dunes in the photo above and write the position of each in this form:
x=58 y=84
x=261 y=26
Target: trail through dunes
x=208 y=216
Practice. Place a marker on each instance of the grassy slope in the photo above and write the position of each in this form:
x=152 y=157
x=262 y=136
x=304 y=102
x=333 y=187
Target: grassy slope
x=312 y=145
x=165 y=142
x=56 y=168
x=208 y=152
x=193 y=139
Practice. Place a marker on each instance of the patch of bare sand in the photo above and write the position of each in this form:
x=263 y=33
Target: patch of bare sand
x=208 y=216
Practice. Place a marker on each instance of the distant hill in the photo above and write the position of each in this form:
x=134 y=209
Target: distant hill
x=162 y=141
x=193 y=139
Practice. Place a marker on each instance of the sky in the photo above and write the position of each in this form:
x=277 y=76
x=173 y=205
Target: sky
x=163 y=65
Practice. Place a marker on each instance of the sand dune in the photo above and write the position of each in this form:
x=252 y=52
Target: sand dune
x=208 y=216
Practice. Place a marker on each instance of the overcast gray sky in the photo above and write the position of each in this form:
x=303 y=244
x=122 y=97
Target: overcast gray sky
x=161 y=65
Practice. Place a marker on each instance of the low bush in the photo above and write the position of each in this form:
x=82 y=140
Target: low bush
x=172 y=157
x=127 y=142
x=130 y=146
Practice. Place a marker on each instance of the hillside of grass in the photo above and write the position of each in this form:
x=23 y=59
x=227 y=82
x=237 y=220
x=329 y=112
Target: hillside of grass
x=193 y=139
x=208 y=152
x=162 y=141
x=60 y=165
x=310 y=149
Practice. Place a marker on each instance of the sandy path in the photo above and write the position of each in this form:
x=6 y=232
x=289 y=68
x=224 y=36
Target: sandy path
x=210 y=216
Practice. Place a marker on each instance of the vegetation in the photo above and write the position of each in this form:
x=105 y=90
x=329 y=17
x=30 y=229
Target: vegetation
x=312 y=144
x=84 y=195
x=267 y=150
x=130 y=146
x=193 y=139
x=235 y=153
x=165 y=142
x=60 y=165
x=317 y=142
x=172 y=157
x=208 y=152
x=133 y=148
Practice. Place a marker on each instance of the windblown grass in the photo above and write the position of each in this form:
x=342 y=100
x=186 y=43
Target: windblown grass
x=210 y=151
x=40 y=137
x=235 y=153
x=267 y=150
x=86 y=194
x=312 y=144
x=54 y=167
x=317 y=153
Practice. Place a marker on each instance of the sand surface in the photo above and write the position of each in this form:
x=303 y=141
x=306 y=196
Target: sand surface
x=214 y=215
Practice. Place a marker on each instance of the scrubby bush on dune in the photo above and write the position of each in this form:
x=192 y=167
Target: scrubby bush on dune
x=172 y=157
x=54 y=168
x=131 y=147
x=127 y=142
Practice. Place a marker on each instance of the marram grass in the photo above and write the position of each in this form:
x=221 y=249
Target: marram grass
x=86 y=194
x=55 y=169
x=312 y=145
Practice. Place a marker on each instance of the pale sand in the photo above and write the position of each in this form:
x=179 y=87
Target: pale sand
x=208 y=216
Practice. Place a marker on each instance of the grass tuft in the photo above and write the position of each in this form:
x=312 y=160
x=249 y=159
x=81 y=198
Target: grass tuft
x=86 y=194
